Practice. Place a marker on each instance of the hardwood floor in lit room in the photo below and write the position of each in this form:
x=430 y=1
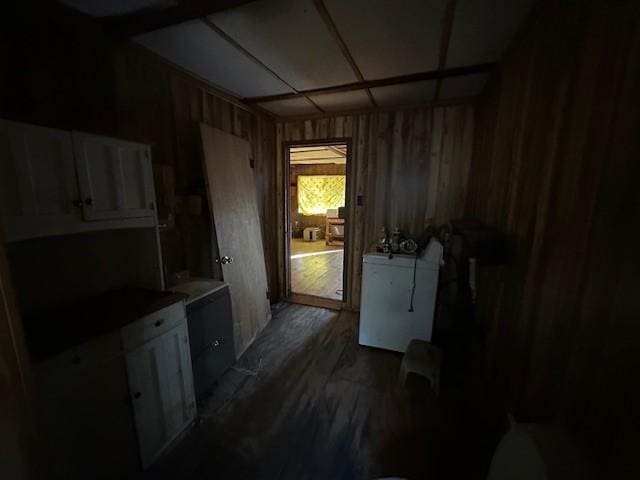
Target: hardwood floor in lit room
x=316 y=269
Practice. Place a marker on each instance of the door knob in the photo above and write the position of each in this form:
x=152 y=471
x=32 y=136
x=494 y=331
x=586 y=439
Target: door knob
x=224 y=260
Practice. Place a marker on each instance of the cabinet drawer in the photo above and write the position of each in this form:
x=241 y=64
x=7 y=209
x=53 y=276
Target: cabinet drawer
x=86 y=356
x=153 y=325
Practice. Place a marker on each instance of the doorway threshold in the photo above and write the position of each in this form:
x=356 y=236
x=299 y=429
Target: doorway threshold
x=314 y=301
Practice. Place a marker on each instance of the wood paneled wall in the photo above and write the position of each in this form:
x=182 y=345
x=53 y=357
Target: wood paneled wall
x=409 y=168
x=165 y=107
x=556 y=167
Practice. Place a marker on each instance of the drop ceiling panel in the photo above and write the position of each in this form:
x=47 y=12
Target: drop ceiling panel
x=343 y=101
x=318 y=155
x=197 y=48
x=292 y=106
x=405 y=94
x=111 y=8
x=390 y=37
x=289 y=37
x=482 y=30
x=463 y=86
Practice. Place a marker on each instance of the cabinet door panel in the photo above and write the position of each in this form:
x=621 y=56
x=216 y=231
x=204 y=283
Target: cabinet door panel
x=179 y=397
x=144 y=369
x=138 y=180
x=38 y=184
x=116 y=179
x=161 y=383
x=102 y=164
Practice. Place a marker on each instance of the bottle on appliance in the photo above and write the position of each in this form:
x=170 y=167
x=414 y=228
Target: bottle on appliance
x=383 y=241
x=396 y=239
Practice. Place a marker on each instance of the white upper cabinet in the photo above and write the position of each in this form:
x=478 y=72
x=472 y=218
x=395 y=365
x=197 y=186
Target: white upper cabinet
x=38 y=186
x=115 y=176
x=55 y=182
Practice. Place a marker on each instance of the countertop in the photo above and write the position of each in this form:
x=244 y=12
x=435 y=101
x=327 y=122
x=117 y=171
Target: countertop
x=196 y=288
x=54 y=331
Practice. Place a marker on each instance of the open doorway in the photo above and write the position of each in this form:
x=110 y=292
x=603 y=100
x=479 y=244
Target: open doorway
x=317 y=215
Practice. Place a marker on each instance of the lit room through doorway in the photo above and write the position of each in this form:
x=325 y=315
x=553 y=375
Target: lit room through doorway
x=317 y=214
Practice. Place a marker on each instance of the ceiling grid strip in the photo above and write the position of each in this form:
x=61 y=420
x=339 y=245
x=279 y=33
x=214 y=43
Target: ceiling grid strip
x=383 y=82
x=333 y=30
x=445 y=39
x=256 y=60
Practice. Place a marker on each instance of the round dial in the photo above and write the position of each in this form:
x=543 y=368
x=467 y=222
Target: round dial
x=409 y=246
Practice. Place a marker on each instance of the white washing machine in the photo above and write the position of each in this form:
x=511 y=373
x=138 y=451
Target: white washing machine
x=398 y=297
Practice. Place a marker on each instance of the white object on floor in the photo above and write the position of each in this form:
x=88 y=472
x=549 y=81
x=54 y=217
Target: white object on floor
x=422 y=358
x=537 y=452
x=398 y=298
x=311 y=234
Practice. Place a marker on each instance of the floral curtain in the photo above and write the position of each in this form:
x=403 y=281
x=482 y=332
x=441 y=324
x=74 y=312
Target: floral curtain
x=317 y=193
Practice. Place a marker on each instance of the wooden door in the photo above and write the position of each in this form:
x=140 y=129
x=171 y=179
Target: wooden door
x=161 y=387
x=232 y=197
x=38 y=187
x=116 y=177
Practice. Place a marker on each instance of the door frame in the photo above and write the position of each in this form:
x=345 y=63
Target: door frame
x=348 y=215
x=24 y=451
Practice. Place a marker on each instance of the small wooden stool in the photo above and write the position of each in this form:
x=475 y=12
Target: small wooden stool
x=422 y=358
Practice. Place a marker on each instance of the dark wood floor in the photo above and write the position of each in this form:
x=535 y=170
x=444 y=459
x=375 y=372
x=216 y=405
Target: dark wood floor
x=306 y=402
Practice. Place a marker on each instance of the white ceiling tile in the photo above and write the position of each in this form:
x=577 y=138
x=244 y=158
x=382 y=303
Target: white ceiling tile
x=482 y=30
x=292 y=106
x=352 y=100
x=289 y=37
x=313 y=155
x=390 y=37
x=197 y=48
x=405 y=94
x=462 y=86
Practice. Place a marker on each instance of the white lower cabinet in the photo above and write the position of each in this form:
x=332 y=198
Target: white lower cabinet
x=97 y=397
x=161 y=388
x=85 y=413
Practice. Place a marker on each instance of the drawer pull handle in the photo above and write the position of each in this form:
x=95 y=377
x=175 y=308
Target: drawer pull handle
x=159 y=322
